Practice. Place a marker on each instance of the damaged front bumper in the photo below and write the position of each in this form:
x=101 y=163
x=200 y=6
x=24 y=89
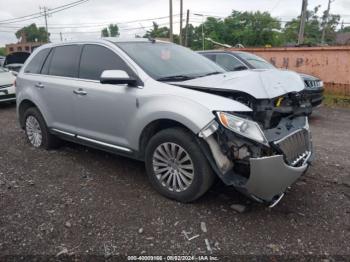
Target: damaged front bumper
x=269 y=176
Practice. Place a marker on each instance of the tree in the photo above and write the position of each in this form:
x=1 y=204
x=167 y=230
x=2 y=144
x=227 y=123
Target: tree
x=345 y=29
x=111 y=31
x=313 y=28
x=33 y=33
x=156 y=31
x=104 y=32
x=252 y=29
x=247 y=28
x=2 y=51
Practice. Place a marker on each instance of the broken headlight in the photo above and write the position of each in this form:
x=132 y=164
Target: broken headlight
x=244 y=127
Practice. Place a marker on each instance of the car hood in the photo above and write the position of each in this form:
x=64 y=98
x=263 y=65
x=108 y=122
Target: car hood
x=261 y=84
x=6 y=78
x=16 y=58
x=308 y=77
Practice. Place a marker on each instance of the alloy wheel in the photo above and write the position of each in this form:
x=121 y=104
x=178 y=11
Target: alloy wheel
x=173 y=167
x=33 y=131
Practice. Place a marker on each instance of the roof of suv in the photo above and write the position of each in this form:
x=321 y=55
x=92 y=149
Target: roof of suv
x=104 y=40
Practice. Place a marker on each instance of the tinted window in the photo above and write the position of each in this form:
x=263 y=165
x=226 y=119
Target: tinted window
x=65 y=61
x=45 y=68
x=95 y=59
x=229 y=62
x=36 y=63
x=210 y=56
x=256 y=61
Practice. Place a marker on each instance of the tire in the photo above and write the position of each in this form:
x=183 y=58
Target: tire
x=185 y=154
x=34 y=124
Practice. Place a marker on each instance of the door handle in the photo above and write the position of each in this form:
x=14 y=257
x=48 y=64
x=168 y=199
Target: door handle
x=80 y=91
x=39 y=85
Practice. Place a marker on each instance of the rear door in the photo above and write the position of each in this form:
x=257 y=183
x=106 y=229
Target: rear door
x=57 y=82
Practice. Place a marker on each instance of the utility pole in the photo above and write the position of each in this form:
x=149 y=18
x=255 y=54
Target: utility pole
x=171 y=21
x=203 y=43
x=302 y=23
x=45 y=13
x=325 y=21
x=181 y=13
x=187 y=21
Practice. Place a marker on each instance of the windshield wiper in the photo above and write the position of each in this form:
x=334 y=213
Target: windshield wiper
x=212 y=73
x=175 y=78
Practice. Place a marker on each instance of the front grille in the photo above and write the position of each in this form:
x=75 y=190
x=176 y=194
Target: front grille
x=296 y=147
x=5 y=86
x=313 y=83
x=4 y=97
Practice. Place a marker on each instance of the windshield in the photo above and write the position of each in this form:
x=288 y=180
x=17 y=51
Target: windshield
x=256 y=61
x=164 y=61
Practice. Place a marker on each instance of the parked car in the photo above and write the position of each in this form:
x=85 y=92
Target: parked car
x=7 y=89
x=15 y=61
x=188 y=119
x=238 y=60
x=2 y=60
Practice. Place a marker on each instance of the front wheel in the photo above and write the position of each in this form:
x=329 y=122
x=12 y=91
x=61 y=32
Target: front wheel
x=176 y=166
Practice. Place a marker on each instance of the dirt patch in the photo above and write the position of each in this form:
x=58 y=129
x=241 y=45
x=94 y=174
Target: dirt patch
x=77 y=201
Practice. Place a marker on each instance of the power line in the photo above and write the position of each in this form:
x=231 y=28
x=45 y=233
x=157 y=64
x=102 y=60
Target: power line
x=39 y=14
x=63 y=26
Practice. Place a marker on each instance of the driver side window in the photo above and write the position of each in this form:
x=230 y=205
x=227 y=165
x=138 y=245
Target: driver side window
x=229 y=62
x=95 y=59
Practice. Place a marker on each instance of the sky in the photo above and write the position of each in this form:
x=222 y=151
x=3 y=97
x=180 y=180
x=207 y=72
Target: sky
x=85 y=21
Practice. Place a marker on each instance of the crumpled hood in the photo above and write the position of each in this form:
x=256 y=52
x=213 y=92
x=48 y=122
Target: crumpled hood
x=261 y=84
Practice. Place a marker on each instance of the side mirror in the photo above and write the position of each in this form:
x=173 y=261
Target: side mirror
x=117 y=77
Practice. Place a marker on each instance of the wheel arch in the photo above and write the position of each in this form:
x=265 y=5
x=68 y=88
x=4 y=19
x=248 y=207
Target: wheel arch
x=153 y=128
x=22 y=108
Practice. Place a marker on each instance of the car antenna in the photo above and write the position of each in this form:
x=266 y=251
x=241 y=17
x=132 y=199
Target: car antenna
x=151 y=39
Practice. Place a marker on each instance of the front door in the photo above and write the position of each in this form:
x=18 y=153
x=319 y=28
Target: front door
x=103 y=110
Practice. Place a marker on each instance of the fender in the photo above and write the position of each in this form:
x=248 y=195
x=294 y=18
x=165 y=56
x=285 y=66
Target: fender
x=186 y=110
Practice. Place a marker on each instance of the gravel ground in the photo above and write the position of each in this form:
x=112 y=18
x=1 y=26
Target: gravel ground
x=80 y=201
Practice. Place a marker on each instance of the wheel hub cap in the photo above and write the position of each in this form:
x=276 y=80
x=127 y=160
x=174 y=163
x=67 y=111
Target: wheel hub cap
x=173 y=167
x=33 y=131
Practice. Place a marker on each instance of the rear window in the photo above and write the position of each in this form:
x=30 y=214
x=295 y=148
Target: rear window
x=36 y=63
x=65 y=61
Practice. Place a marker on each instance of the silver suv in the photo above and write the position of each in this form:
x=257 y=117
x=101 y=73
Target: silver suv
x=172 y=108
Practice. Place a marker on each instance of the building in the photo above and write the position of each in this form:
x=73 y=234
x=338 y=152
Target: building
x=343 y=39
x=22 y=46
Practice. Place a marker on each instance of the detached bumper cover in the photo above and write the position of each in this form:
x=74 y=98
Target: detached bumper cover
x=271 y=176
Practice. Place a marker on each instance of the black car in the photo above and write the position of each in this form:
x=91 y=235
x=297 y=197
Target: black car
x=238 y=60
x=15 y=61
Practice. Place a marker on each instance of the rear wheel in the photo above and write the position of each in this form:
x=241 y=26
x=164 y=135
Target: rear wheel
x=176 y=166
x=36 y=130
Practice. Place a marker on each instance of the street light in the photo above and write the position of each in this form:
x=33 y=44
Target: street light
x=202 y=29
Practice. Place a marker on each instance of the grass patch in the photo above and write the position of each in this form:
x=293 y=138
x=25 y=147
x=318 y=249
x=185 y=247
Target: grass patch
x=336 y=101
